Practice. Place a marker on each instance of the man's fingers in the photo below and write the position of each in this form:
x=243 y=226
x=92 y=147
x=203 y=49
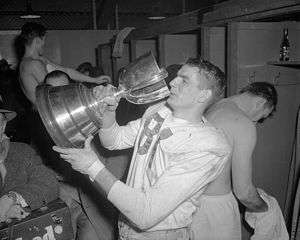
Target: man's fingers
x=98 y=91
x=87 y=143
x=65 y=150
x=104 y=79
x=67 y=157
x=17 y=211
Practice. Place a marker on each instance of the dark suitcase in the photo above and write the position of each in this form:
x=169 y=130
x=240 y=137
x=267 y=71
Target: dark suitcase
x=52 y=222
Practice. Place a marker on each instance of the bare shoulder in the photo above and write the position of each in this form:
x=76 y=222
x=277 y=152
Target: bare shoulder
x=33 y=69
x=30 y=63
x=231 y=120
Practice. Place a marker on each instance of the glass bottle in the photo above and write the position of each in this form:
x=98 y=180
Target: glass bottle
x=285 y=46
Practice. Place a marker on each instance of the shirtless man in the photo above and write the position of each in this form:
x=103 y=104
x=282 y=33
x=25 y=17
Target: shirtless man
x=176 y=154
x=57 y=78
x=34 y=66
x=218 y=214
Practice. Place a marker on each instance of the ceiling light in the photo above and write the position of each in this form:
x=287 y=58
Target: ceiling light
x=156 y=12
x=30 y=16
x=29 y=12
x=156 y=17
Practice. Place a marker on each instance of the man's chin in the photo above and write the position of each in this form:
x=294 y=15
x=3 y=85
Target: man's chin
x=3 y=146
x=170 y=103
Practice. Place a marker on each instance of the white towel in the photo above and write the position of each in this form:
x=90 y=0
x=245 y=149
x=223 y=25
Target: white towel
x=119 y=43
x=267 y=225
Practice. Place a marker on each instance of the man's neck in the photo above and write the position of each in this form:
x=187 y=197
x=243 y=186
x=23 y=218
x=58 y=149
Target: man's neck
x=31 y=52
x=242 y=103
x=190 y=115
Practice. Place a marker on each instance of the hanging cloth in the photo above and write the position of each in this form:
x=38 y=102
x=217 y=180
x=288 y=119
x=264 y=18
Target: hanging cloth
x=292 y=202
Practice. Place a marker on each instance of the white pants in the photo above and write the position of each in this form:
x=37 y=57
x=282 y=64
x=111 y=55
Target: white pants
x=217 y=218
x=128 y=233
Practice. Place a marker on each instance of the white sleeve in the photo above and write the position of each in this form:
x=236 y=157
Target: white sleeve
x=120 y=137
x=191 y=173
x=20 y=199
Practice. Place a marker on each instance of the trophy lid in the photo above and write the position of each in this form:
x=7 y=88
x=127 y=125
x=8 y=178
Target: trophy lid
x=141 y=70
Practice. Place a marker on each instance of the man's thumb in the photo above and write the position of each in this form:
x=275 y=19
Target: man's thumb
x=87 y=143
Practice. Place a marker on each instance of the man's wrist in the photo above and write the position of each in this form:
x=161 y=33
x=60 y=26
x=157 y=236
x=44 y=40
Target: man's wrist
x=94 y=169
x=104 y=181
x=108 y=126
x=13 y=196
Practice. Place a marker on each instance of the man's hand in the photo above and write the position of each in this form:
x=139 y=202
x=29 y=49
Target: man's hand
x=5 y=204
x=16 y=211
x=83 y=160
x=106 y=95
x=103 y=79
x=4 y=147
x=108 y=104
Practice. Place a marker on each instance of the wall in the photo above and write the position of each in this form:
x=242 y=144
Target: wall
x=7 y=46
x=213 y=43
x=79 y=46
x=68 y=47
x=143 y=46
x=251 y=47
x=176 y=49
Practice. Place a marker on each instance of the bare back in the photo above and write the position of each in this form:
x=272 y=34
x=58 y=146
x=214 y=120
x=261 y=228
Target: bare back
x=32 y=73
x=225 y=115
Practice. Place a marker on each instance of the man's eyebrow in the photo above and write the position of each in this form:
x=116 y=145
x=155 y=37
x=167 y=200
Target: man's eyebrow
x=181 y=75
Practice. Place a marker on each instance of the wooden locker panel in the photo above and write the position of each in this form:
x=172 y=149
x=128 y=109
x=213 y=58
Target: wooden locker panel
x=111 y=65
x=104 y=56
x=122 y=61
x=7 y=46
x=144 y=46
x=213 y=45
x=250 y=47
x=272 y=156
x=177 y=48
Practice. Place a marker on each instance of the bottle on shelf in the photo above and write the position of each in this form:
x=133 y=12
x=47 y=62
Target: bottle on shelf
x=285 y=46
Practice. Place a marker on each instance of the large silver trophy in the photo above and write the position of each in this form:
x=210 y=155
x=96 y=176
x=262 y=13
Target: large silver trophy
x=71 y=113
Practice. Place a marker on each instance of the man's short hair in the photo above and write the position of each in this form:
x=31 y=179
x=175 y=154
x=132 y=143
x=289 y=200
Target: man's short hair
x=32 y=30
x=172 y=73
x=263 y=89
x=57 y=74
x=215 y=76
x=85 y=67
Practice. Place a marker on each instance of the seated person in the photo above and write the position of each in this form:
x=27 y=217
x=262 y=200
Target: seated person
x=57 y=78
x=24 y=181
x=85 y=68
x=69 y=190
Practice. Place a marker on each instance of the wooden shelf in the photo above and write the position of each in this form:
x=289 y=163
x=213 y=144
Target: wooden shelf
x=295 y=64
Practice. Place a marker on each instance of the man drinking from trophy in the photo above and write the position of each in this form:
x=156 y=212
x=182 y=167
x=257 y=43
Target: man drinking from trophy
x=177 y=153
x=24 y=181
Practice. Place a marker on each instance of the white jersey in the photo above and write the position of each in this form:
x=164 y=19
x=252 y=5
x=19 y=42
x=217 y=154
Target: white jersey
x=173 y=161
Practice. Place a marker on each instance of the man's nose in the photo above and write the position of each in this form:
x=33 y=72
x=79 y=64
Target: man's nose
x=173 y=82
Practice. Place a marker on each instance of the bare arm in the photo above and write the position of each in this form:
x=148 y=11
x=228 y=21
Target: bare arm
x=77 y=76
x=32 y=73
x=244 y=139
x=40 y=187
x=146 y=208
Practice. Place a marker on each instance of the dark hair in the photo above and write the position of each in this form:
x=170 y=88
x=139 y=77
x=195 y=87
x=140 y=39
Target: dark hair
x=215 y=76
x=85 y=67
x=265 y=90
x=172 y=73
x=4 y=66
x=57 y=74
x=31 y=30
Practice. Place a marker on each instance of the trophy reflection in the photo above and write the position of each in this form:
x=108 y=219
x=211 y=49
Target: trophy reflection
x=71 y=113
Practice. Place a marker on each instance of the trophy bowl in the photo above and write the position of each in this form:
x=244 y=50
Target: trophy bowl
x=71 y=113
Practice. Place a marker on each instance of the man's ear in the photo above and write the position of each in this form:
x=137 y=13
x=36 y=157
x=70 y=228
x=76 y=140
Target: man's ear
x=35 y=41
x=260 y=102
x=204 y=95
